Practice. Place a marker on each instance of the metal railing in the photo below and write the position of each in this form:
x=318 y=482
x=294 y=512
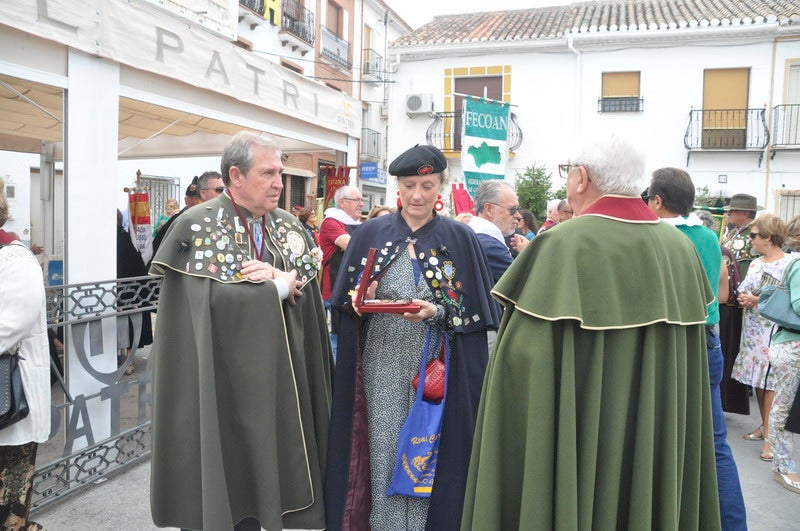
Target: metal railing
x=727 y=129
x=256 y=6
x=372 y=66
x=160 y=189
x=335 y=48
x=370 y=143
x=620 y=104
x=298 y=20
x=786 y=125
x=446 y=129
x=79 y=310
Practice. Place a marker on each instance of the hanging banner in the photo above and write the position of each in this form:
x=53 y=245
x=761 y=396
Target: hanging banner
x=335 y=178
x=484 y=141
x=141 y=227
x=462 y=201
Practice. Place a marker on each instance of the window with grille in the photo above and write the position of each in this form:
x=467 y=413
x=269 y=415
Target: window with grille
x=788 y=204
x=620 y=92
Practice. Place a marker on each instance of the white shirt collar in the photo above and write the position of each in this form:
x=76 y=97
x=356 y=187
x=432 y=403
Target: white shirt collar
x=484 y=226
x=340 y=215
x=690 y=221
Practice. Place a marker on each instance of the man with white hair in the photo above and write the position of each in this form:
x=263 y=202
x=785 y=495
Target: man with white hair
x=596 y=408
x=334 y=235
x=552 y=215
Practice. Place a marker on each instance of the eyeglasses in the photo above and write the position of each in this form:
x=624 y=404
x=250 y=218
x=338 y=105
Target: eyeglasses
x=218 y=189
x=570 y=212
x=563 y=169
x=753 y=235
x=511 y=210
x=356 y=199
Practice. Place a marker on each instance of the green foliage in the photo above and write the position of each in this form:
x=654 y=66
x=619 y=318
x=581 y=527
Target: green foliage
x=702 y=197
x=534 y=190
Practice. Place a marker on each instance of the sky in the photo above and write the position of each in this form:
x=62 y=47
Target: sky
x=418 y=12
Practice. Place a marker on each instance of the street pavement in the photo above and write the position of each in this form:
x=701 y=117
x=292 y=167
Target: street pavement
x=121 y=502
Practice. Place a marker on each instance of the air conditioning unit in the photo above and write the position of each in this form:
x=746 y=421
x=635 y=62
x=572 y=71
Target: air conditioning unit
x=384 y=111
x=419 y=104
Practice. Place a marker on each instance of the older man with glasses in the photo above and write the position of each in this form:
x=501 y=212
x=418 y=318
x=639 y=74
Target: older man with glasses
x=596 y=405
x=334 y=235
x=496 y=205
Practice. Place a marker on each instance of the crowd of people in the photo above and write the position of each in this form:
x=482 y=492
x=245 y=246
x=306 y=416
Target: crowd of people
x=565 y=424
x=588 y=362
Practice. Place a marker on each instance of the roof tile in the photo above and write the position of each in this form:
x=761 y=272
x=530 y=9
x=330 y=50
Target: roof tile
x=600 y=16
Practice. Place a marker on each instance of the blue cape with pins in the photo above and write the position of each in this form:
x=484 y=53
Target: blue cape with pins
x=471 y=312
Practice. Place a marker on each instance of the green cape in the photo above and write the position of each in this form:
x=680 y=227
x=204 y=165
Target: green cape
x=595 y=411
x=241 y=382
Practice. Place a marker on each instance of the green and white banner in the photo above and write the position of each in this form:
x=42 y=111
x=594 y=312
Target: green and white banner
x=484 y=141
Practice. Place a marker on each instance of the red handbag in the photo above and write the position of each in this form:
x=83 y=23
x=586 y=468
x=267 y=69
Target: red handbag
x=434 y=379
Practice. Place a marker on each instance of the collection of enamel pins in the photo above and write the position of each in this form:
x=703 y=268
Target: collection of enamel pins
x=439 y=272
x=220 y=245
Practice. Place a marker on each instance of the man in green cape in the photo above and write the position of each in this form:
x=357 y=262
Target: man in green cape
x=595 y=411
x=241 y=360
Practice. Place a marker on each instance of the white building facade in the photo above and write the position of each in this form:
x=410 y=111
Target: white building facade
x=716 y=93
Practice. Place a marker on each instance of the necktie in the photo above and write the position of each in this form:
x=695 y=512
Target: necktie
x=258 y=237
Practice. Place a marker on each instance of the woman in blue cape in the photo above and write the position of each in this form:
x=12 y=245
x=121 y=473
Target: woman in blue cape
x=438 y=263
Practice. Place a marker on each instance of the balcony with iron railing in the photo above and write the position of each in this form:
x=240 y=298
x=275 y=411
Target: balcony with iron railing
x=372 y=66
x=253 y=11
x=727 y=130
x=370 y=144
x=786 y=126
x=335 y=49
x=446 y=129
x=297 y=21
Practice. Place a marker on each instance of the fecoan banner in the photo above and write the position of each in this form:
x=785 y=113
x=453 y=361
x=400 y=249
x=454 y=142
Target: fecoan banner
x=484 y=141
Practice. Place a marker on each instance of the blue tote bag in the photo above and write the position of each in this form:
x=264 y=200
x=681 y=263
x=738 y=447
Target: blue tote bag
x=418 y=444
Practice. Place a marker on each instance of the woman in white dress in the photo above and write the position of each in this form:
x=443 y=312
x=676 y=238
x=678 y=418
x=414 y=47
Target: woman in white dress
x=767 y=234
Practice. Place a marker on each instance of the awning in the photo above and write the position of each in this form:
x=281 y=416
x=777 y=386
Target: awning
x=288 y=170
x=31 y=113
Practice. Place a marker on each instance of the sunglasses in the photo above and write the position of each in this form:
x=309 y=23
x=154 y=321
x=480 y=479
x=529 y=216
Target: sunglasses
x=646 y=195
x=754 y=235
x=511 y=210
x=218 y=189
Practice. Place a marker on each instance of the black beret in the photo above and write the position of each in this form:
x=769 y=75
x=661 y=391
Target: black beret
x=419 y=160
x=191 y=190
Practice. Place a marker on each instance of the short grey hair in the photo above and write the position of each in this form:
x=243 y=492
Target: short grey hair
x=490 y=192
x=239 y=152
x=614 y=165
x=202 y=181
x=341 y=193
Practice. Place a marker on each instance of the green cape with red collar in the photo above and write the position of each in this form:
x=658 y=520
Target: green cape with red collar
x=595 y=411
